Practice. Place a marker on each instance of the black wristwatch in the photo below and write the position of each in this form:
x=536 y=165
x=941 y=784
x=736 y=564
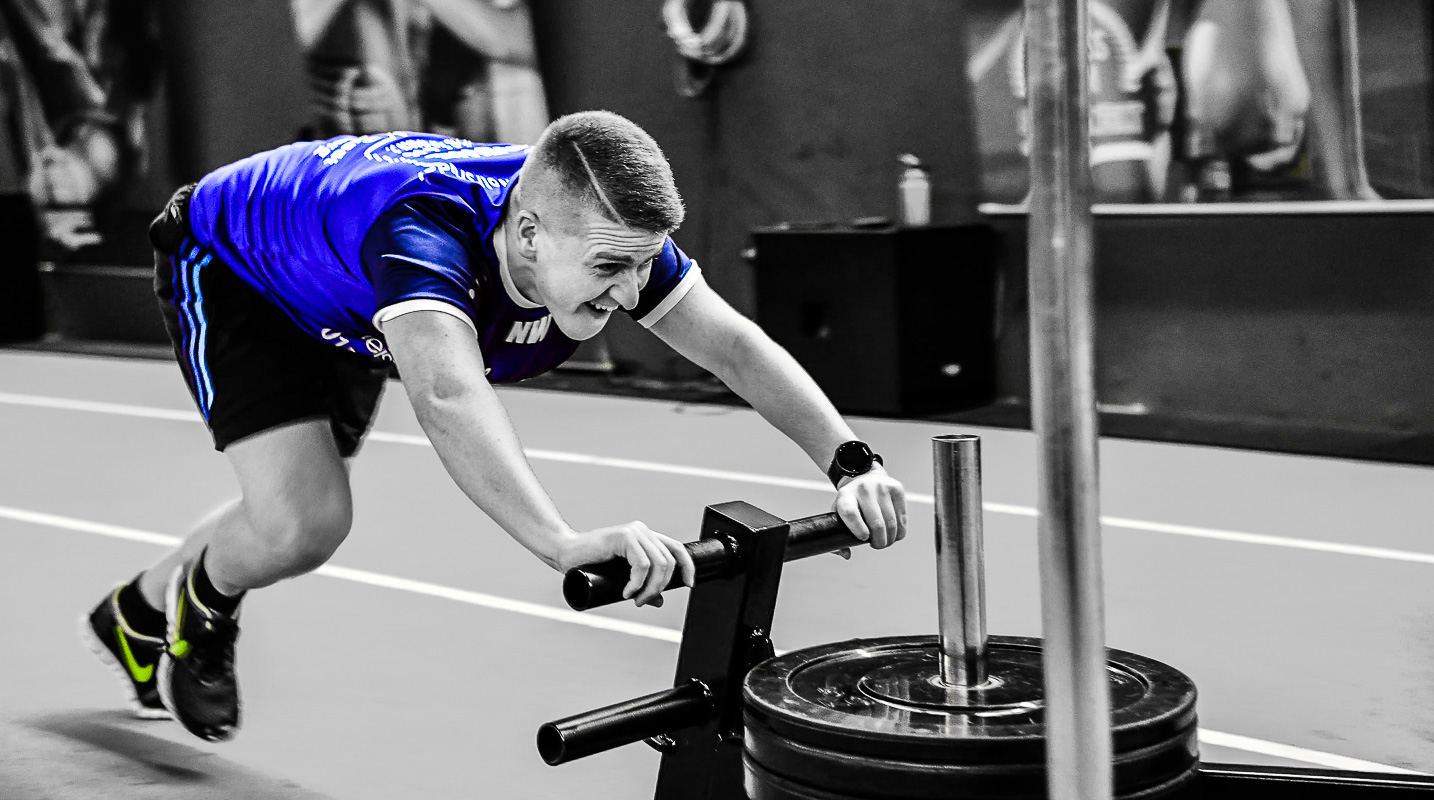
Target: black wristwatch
x=852 y=458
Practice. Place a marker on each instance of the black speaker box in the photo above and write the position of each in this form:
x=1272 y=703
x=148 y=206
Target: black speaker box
x=888 y=321
x=22 y=312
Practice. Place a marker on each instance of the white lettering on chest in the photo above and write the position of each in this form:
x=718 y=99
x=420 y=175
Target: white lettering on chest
x=529 y=332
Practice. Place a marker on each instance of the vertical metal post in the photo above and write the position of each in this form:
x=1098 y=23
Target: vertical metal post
x=960 y=561
x=1351 y=101
x=1063 y=402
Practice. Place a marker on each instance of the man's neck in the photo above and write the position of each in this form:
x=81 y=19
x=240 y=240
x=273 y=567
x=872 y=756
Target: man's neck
x=518 y=283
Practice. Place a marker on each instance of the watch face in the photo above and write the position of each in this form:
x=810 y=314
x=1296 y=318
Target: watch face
x=854 y=457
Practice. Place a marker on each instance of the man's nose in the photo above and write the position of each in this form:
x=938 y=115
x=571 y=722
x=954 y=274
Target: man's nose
x=626 y=290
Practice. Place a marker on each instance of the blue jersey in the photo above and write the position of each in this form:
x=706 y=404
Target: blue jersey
x=348 y=233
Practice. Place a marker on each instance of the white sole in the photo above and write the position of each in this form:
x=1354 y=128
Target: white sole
x=94 y=645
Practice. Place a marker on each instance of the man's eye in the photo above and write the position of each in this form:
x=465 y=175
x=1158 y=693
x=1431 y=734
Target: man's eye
x=610 y=269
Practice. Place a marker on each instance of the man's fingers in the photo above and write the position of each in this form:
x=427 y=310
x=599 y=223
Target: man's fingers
x=685 y=566
x=870 y=502
x=895 y=530
x=658 y=574
x=663 y=567
x=653 y=559
x=849 y=511
x=639 y=562
x=898 y=499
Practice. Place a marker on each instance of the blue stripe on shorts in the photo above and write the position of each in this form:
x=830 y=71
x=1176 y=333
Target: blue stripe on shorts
x=190 y=302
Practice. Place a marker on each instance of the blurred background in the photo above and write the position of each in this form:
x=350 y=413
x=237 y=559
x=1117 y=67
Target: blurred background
x=1264 y=169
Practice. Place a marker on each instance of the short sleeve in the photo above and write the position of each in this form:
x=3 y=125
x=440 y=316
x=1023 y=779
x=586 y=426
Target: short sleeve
x=416 y=255
x=673 y=276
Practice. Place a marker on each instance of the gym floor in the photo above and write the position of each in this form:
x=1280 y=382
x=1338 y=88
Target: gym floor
x=1295 y=591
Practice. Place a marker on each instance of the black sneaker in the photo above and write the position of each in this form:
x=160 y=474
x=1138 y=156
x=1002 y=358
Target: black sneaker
x=196 y=674
x=132 y=655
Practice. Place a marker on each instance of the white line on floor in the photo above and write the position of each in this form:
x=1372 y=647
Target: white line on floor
x=1216 y=534
x=1328 y=760
x=370 y=578
x=66 y=404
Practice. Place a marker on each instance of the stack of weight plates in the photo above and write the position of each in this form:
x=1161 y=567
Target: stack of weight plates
x=870 y=718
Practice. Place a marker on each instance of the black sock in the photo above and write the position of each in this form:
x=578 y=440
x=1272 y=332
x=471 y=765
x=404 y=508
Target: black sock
x=211 y=597
x=138 y=614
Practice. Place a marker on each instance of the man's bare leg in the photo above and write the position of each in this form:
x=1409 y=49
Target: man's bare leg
x=294 y=511
x=152 y=582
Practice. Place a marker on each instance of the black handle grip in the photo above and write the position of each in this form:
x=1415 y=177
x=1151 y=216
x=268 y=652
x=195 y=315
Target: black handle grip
x=814 y=536
x=596 y=585
x=601 y=584
x=624 y=723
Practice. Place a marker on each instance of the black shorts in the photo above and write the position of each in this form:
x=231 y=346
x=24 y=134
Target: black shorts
x=249 y=367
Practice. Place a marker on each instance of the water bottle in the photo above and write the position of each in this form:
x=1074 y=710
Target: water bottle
x=915 y=189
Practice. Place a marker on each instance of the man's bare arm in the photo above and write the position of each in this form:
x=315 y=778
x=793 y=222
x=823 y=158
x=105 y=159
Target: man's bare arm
x=443 y=375
x=709 y=332
x=459 y=410
x=713 y=335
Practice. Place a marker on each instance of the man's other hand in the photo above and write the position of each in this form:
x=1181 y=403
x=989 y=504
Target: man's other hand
x=652 y=556
x=873 y=506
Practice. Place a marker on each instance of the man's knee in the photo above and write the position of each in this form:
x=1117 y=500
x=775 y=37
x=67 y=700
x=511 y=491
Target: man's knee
x=304 y=528
x=296 y=493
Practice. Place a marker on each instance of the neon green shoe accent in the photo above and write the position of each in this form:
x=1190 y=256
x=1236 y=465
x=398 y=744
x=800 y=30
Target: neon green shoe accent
x=179 y=611
x=140 y=674
x=180 y=648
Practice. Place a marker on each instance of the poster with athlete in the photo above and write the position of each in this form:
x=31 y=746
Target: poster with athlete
x=77 y=84
x=465 y=68
x=1221 y=100
x=1132 y=97
x=83 y=85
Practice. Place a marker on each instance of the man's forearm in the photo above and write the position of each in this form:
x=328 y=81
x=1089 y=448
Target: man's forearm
x=474 y=438
x=767 y=377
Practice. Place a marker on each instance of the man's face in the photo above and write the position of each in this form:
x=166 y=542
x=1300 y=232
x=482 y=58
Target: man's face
x=583 y=267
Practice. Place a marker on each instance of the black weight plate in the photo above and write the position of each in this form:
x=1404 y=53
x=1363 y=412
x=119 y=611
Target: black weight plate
x=760 y=783
x=881 y=697
x=872 y=776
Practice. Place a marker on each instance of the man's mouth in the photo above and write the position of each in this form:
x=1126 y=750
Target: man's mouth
x=601 y=308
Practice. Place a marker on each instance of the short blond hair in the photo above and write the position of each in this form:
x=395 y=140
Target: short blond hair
x=614 y=166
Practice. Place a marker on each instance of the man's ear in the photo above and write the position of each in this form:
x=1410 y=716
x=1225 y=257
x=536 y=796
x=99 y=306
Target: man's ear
x=527 y=233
